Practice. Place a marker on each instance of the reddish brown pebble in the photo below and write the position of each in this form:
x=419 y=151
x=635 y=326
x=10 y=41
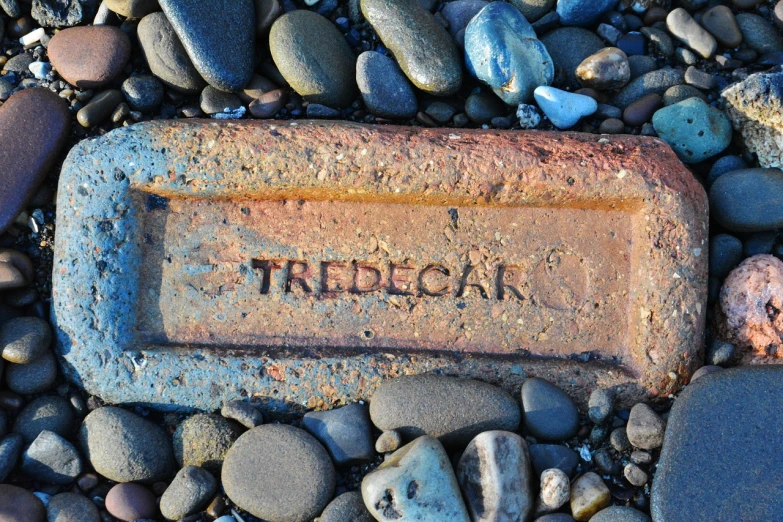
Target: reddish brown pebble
x=89 y=57
x=129 y=502
x=19 y=505
x=257 y=87
x=749 y=314
x=34 y=124
x=87 y=481
x=268 y=104
x=642 y=110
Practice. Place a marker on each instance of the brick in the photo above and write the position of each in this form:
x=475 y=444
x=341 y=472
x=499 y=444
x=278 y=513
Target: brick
x=303 y=263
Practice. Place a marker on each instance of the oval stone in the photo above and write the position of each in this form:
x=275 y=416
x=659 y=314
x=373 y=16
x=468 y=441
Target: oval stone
x=19 y=505
x=123 y=447
x=451 y=409
x=423 y=48
x=278 y=472
x=503 y=51
x=385 y=89
x=549 y=413
x=24 y=165
x=89 y=57
x=314 y=58
x=748 y=200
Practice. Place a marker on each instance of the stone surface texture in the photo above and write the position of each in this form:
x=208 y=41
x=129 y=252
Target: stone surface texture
x=146 y=181
x=89 y=57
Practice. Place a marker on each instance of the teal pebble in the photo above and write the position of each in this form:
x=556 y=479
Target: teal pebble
x=693 y=129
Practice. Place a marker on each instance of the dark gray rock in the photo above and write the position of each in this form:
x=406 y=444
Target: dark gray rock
x=219 y=37
x=50 y=413
x=123 y=447
x=653 y=82
x=63 y=13
x=3 y=417
x=725 y=254
x=10 y=449
x=568 y=47
x=451 y=409
x=549 y=413
x=481 y=107
x=243 y=412
x=748 y=200
x=34 y=377
x=548 y=456
x=72 y=507
x=556 y=517
x=143 y=92
x=385 y=89
x=645 y=428
x=19 y=63
x=99 y=109
x=345 y=432
x=51 y=459
x=600 y=405
x=619 y=514
x=641 y=64
x=214 y=101
x=759 y=34
x=759 y=243
x=316 y=110
x=203 y=440
x=723 y=165
x=717 y=464
x=166 y=56
x=190 y=491
x=24 y=339
x=460 y=12
x=680 y=93
x=348 y=507
x=278 y=472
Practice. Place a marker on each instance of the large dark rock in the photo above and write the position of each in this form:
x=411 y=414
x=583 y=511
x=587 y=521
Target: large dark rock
x=721 y=457
x=748 y=200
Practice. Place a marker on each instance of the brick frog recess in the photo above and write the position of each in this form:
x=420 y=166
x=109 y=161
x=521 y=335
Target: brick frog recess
x=303 y=263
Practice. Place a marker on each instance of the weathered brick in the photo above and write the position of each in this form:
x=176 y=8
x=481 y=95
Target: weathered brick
x=303 y=263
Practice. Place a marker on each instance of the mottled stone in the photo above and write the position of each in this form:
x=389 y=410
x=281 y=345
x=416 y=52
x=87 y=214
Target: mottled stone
x=694 y=130
x=203 y=440
x=606 y=69
x=645 y=428
x=63 y=13
x=89 y=57
x=554 y=492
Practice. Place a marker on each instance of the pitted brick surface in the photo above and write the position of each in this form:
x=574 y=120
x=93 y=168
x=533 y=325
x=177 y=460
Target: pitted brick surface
x=303 y=263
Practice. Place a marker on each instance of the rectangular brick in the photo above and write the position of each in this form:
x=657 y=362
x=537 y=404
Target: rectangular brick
x=305 y=262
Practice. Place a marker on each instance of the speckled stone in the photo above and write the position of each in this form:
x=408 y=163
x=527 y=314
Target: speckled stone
x=190 y=491
x=348 y=507
x=423 y=48
x=72 y=507
x=203 y=440
x=652 y=82
x=314 y=58
x=620 y=514
x=694 y=130
x=759 y=34
x=89 y=57
x=50 y=412
x=24 y=339
x=748 y=200
x=51 y=459
x=34 y=377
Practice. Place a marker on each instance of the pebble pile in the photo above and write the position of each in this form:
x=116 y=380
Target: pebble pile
x=704 y=76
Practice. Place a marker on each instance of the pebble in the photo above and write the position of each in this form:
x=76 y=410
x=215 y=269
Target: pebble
x=564 y=109
x=166 y=56
x=720 y=22
x=41 y=70
x=657 y=82
x=720 y=353
x=704 y=371
x=416 y=481
x=219 y=38
x=213 y=101
x=100 y=108
x=660 y=40
x=503 y=51
x=723 y=165
x=589 y=495
x=568 y=47
x=620 y=514
x=495 y=476
x=89 y=57
x=481 y=107
x=528 y=116
x=451 y=409
x=72 y=507
x=758 y=34
x=605 y=462
x=635 y=475
x=459 y=13
x=611 y=126
x=645 y=428
x=640 y=65
x=639 y=112
x=6 y=89
x=554 y=492
x=609 y=33
x=267 y=106
x=32 y=112
x=24 y=339
x=133 y=8
x=345 y=432
x=440 y=112
x=266 y=461
x=699 y=79
x=607 y=69
x=19 y=63
x=549 y=413
x=130 y=502
x=258 y=86
x=56 y=13
x=10 y=450
x=725 y=254
x=123 y=447
x=680 y=93
x=556 y=517
x=694 y=130
x=203 y=440
x=583 y=12
x=16 y=270
x=548 y=456
x=641 y=457
x=51 y=459
x=243 y=412
x=385 y=89
x=600 y=405
x=348 y=507
x=688 y=31
x=191 y=490
x=424 y=50
x=19 y=505
x=143 y=92
x=34 y=377
x=326 y=72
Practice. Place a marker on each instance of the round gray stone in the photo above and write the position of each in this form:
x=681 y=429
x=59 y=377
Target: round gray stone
x=72 y=507
x=385 y=89
x=278 y=472
x=549 y=414
x=24 y=339
x=34 y=377
x=314 y=58
x=748 y=200
x=568 y=47
x=123 y=447
x=451 y=409
x=190 y=490
x=143 y=92
x=50 y=413
x=203 y=440
x=166 y=56
x=619 y=514
x=348 y=507
x=51 y=459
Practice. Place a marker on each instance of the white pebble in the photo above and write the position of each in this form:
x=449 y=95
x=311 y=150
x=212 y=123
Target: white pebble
x=32 y=36
x=228 y=114
x=528 y=116
x=40 y=69
x=555 y=491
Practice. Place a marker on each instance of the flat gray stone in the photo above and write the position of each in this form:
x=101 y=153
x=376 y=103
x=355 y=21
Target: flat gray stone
x=348 y=507
x=51 y=459
x=243 y=412
x=345 y=432
x=166 y=56
x=190 y=490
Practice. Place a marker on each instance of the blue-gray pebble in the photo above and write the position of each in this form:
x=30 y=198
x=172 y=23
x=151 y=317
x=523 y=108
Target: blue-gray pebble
x=693 y=129
x=725 y=254
x=723 y=165
x=548 y=456
x=748 y=200
x=385 y=89
x=548 y=413
x=582 y=12
x=503 y=51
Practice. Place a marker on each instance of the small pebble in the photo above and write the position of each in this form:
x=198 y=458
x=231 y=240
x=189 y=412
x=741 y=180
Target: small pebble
x=243 y=412
x=645 y=428
x=635 y=475
x=388 y=441
x=554 y=492
x=564 y=109
x=589 y=495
